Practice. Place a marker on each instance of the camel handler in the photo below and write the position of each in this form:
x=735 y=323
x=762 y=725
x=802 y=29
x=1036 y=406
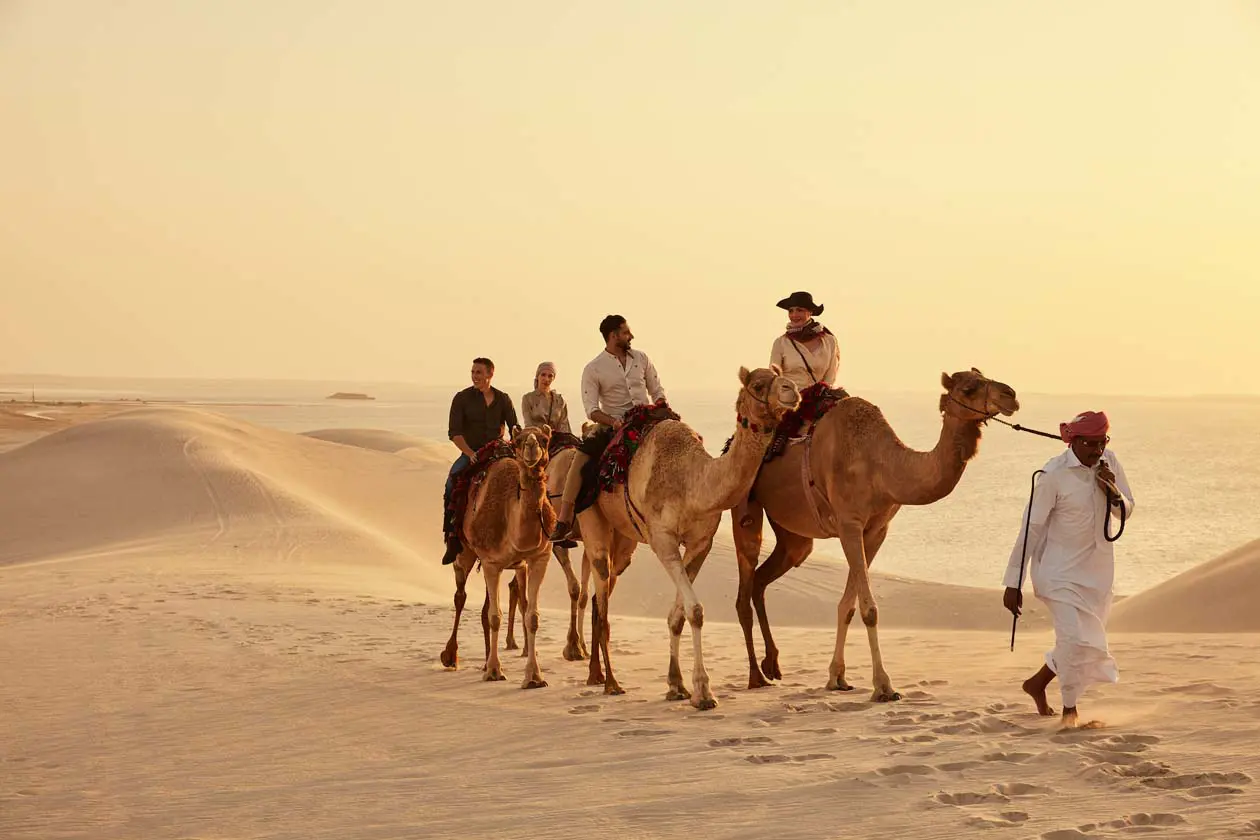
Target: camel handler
x=1072 y=563
x=479 y=414
x=615 y=381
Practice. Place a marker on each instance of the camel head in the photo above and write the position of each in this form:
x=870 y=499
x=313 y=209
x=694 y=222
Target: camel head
x=766 y=396
x=970 y=395
x=530 y=445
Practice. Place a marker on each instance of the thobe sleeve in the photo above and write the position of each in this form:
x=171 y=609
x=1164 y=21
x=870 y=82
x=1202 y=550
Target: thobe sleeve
x=655 y=390
x=590 y=391
x=833 y=364
x=1042 y=503
x=1122 y=484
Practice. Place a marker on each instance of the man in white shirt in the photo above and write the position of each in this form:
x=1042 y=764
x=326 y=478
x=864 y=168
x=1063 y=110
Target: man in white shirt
x=1071 y=561
x=615 y=381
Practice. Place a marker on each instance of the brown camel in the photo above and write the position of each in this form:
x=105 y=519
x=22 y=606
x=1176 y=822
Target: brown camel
x=674 y=495
x=859 y=475
x=506 y=526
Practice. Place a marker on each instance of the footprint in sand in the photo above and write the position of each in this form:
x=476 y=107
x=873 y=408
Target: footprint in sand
x=644 y=733
x=1007 y=757
x=906 y=770
x=1022 y=789
x=581 y=710
x=966 y=799
x=1002 y=820
x=1191 y=781
x=783 y=759
x=914 y=739
x=735 y=742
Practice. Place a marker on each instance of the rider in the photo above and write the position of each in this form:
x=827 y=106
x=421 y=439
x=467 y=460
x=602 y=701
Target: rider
x=615 y=381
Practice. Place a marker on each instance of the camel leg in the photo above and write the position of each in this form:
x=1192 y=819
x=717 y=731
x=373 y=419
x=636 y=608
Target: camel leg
x=584 y=597
x=845 y=609
x=853 y=542
x=494 y=669
x=692 y=562
x=529 y=620
x=573 y=644
x=514 y=597
x=747 y=551
x=521 y=580
x=450 y=654
x=666 y=549
x=602 y=632
x=790 y=550
x=485 y=626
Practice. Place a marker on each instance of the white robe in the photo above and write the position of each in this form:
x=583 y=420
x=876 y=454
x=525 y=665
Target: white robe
x=1073 y=567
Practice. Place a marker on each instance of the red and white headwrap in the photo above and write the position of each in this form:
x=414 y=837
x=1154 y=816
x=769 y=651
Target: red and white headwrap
x=1086 y=424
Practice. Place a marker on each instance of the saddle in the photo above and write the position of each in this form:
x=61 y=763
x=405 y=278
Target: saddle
x=612 y=468
x=798 y=424
x=561 y=441
x=466 y=482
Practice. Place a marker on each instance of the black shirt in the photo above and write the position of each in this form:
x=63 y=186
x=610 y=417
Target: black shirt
x=477 y=422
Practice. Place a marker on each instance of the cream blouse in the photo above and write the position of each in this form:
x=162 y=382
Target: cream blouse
x=805 y=364
x=538 y=408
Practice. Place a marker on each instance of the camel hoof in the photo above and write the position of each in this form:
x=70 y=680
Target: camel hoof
x=538 y=683
x=886 y=697
x=678 y=694
x=511 y=645
x=757 y=680
x=450 y=659
x=493 y=676
x=705 y=703
x=771 y=669
x=573 y=654
x=613 y=689
x=596 y=679
x=840 y=685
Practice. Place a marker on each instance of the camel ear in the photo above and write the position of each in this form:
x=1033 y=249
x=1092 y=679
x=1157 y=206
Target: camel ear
x=514 y=431
x=947 y=381
x=977 y=372
x=743 y=375
x=546 y=429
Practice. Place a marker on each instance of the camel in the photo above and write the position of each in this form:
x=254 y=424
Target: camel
x=506 y=526
x=860 y=474
x=579 y=588
x=674 y=495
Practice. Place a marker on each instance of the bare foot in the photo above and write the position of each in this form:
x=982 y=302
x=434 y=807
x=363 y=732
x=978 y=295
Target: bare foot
x=1038 y=693
x=1072 y=721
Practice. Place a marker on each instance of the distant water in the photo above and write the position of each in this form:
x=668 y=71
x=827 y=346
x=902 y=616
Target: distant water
x=1194 y=464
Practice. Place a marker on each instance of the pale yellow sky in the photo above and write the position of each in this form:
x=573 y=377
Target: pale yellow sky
x=1066 y=195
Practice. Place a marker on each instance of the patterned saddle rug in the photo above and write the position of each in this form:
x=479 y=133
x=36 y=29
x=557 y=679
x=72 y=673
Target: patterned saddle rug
x=466 y=482
x=612 y=469
x=816 y=401
x=561 y=441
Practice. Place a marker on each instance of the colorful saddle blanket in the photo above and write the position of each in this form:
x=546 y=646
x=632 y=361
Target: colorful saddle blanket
x=612 y=468
x=816 y=401
x=561 y=441
x=466 y=481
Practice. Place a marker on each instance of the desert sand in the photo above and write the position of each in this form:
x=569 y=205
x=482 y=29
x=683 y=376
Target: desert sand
x=215 y=630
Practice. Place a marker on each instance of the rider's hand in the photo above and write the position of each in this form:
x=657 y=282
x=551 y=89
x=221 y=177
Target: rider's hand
x=617 y=424
x=1013 y=600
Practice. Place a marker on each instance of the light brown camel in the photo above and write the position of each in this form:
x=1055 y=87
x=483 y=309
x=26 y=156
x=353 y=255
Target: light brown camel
x=674 y=495
x=506 y=526
x=861 y=474
x=579 y=587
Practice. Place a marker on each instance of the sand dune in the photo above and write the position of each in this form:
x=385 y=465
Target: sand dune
x=1218 y=596
x=213 y=629
x=392 y=442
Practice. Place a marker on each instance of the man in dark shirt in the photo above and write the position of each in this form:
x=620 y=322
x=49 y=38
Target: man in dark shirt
x=478 y=415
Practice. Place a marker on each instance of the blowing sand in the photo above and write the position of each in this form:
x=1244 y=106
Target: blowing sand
x=214 y=630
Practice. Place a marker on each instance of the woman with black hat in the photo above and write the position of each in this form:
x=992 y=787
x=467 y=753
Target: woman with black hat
x=807 y=351
x=808 y=354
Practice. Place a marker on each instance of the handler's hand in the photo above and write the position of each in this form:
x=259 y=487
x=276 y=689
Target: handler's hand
x=1013 y=599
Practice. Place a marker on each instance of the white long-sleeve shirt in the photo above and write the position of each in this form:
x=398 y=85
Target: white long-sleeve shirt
x=614 y=390
x=1068 y=557
x=805 y=364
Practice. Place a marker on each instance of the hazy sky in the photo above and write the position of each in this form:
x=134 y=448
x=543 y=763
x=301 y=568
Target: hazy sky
x=1066 y=195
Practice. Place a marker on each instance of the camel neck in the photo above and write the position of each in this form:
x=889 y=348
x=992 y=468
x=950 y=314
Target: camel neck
x=534 y=515
x=927 y=477
x=729 y=478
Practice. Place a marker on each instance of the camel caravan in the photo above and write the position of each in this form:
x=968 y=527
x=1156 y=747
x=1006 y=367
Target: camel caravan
x=805 y=457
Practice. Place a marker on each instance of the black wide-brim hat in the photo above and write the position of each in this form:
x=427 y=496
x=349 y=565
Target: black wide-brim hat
x=802 y=299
